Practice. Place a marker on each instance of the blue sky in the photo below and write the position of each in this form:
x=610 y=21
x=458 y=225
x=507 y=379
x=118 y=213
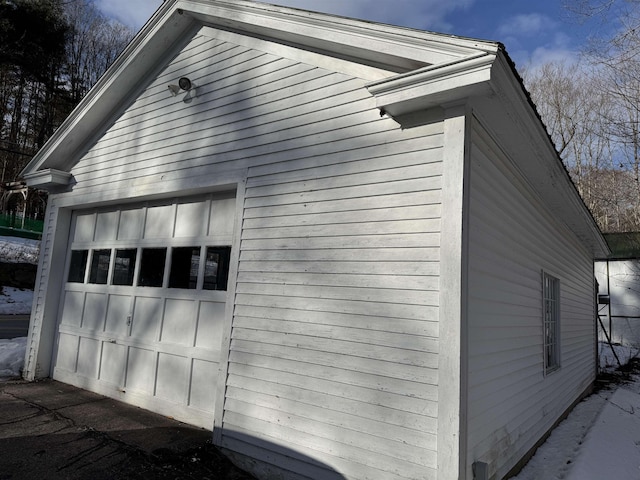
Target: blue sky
x=533 y=31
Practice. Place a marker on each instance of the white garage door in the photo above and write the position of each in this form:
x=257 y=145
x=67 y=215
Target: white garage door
x=144 y=304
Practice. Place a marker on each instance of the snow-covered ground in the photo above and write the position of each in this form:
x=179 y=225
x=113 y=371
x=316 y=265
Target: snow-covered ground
x=624 y=354
x=596 y=440
x=600 y=439
x=19 y=250
x=14 y=301
x=12 y=357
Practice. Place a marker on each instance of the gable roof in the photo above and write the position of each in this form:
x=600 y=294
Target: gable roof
x=407 y=69
x=390 y=49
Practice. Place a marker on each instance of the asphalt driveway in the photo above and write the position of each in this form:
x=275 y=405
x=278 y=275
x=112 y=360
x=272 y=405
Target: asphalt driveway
x=55 y=431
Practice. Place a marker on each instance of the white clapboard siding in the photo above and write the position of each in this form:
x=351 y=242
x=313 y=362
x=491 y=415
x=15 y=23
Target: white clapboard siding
x=415 y=254
x=338 y=292
x=321 y=441
x=223 y=121
x=334 y=343
x=512 y=240
x=287 y=456
x=374 y=325
x=226 y=131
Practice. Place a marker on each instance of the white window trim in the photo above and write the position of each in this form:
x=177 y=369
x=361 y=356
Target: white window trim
x=550 y=322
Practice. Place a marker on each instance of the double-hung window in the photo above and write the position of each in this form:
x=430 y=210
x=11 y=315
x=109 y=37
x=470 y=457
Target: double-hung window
x=551 y=312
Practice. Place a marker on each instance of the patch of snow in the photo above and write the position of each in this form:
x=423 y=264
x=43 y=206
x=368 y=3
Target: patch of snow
x=611 y=449
x=12 y=357
x=19 y=250
x=608 y=360
x=555 y=457
x=589 y=435
x=14 y=301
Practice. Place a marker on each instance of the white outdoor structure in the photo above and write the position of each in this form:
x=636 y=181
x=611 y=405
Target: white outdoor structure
x=618 y=278
x=410 y=280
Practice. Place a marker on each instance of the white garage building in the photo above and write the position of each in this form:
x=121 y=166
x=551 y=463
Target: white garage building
x=349 y=248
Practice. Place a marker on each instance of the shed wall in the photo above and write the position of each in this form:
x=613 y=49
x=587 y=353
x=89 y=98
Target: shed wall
x=512 y=239
x=333 y=353
x=623 y=288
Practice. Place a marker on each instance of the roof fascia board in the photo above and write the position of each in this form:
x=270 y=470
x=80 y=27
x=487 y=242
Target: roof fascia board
x=407 y=48
x=434 y=85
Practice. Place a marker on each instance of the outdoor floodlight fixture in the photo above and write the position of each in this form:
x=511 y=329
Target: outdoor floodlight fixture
x=184 y=84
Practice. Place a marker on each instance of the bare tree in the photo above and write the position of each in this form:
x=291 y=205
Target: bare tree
x=51 y=54
x=592 y=111
x=93 y=44
x=575 y=109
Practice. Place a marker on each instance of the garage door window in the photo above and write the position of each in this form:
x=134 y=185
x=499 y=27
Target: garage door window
x=78 y=266
x=185 y=262
x=124 y=266
x=216 y=270
x=152 y=267
x=184 y=271
x=100 y=266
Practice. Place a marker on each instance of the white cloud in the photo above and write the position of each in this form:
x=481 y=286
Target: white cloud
x=133 y=13
x=531 y=38
x=423 y=14
x=542 y=55
x=526 y=25
x=557 y=48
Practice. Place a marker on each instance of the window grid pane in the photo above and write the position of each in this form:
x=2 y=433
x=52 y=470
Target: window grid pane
x=152 y=267
x=551 y=293
x=100 y=266
x=78 y=266
x=216 y=270
x=185 y=262
x=124 y=265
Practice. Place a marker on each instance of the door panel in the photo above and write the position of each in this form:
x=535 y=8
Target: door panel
x=147 y=314
x=114 y=359
x=95 y=308
x=118 y=315
x=178 y=325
